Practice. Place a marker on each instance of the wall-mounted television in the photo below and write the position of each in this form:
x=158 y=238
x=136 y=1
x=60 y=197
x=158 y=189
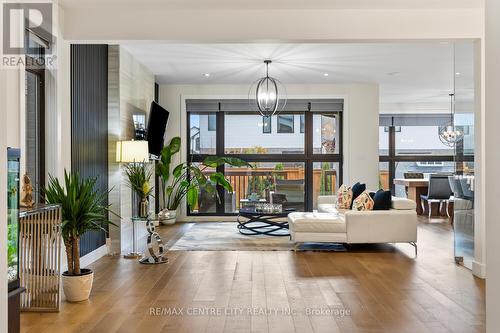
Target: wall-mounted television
x=158 y=118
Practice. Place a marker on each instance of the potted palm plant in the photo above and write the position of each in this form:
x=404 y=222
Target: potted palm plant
x=83 y=209
x=187 y=179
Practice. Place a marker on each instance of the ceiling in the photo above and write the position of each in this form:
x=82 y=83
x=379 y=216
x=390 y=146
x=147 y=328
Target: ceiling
x=407 y=73
x=278 y=4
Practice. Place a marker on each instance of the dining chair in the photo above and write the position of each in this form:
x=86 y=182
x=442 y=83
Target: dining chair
x=439 y=191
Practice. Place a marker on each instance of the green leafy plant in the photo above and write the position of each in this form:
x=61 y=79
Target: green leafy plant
x=186 y=179
x=138 y=177
x=83 y=209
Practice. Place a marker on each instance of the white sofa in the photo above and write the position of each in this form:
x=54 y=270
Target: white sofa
x=328 y=225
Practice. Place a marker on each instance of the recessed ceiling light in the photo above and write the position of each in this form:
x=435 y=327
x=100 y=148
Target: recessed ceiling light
x=458 y=73
x=325 y=74
x=206 y=75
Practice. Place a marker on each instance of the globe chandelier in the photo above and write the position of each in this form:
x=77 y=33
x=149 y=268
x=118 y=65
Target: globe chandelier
x=268 y=93
x=449 y=134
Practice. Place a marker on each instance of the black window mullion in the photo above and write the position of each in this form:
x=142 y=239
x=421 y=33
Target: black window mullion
x=309 y=153
x=219 y=151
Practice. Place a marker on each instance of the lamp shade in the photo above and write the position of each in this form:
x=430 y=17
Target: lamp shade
x=132 y=151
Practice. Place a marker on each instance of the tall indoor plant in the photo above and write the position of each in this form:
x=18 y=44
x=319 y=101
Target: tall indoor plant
x=187 y=179
x=83 y=209
x=138 y=177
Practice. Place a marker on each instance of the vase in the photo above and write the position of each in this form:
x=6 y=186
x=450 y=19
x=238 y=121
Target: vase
x=144 y=208
x=167 y=216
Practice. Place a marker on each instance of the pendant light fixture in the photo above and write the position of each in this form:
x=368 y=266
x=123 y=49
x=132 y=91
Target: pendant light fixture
x=449 y=134
x=268 y=93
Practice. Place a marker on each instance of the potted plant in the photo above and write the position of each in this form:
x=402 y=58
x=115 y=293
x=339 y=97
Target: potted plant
x=186 y=180
x=138 y=176
x=83 y=209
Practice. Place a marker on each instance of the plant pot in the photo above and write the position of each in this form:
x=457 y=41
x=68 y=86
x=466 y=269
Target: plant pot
x=167 y=217
x=77 y=287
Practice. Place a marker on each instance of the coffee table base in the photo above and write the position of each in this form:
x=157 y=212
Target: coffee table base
x=262 y=225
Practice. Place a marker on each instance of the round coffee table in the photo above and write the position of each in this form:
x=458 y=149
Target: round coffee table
x=261 y=223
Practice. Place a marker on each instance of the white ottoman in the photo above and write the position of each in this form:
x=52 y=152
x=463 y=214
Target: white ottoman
x=317 y=227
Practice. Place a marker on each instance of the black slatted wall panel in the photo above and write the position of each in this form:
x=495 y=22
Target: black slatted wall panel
x=89 y=122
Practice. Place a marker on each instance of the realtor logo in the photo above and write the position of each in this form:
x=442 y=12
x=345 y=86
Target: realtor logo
x=21 y=18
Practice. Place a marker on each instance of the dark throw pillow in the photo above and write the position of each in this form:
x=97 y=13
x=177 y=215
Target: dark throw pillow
x=382 y=200
x=357 y=189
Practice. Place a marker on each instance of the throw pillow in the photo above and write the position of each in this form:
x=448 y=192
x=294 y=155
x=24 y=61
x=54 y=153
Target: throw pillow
x=357 y=189
x=363 y=202
x=344 y=197
x=382 y=200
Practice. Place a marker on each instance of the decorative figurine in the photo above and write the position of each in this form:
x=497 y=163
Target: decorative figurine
x=27 y=192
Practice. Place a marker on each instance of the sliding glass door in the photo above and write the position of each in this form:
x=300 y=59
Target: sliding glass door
x=295 y=156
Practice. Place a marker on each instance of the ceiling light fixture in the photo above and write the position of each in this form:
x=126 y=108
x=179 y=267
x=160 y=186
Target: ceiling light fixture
x=325 y=74
x=268 y=93
x=206 y=75
x=458 y=73
x=449 y=134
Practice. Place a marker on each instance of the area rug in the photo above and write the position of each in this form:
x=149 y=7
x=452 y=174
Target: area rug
x=224 y=236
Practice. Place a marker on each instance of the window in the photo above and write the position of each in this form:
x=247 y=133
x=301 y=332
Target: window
x=212 y=124
x=286 y=169
x=201 y=141
x=34 y=129
x=285 y=123
x=279 y=182
x=410 y=143
x=325 y=179
x=326 y=133
x=266 y=125
x=244 y=134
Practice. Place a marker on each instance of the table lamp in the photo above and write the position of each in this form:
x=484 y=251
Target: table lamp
x=132 y=152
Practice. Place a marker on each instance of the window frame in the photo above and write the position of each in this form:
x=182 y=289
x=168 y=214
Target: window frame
x=40 y=179
x=392 y=158
x=308 y=157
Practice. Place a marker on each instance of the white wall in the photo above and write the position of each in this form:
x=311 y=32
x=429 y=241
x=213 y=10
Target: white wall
x=141 y=22
x=492 y=165
x=361 y=113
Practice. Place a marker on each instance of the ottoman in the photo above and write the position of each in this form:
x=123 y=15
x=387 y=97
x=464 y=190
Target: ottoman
x=317 y=227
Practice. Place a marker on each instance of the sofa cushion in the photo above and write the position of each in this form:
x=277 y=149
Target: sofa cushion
x=344 y=197
x=363 y=202
x=403 y=204
x=382 y=200
x=317 y=222
x=357 y=189
x=327 y=208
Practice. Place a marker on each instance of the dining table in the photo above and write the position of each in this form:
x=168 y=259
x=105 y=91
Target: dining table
x=414 y=188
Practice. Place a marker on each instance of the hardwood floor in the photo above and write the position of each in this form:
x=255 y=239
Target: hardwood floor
x=367 y=289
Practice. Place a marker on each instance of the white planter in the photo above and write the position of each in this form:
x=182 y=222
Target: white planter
x=167 y=217
x=77 y=287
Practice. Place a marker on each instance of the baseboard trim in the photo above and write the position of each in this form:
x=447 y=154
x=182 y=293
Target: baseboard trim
x=479 y=269
x=87 y=259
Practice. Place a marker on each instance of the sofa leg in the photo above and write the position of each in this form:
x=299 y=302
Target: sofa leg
x=415 y=246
